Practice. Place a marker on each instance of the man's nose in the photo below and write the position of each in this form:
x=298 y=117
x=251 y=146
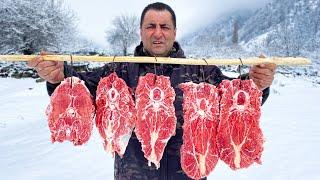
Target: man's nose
x=158 y=33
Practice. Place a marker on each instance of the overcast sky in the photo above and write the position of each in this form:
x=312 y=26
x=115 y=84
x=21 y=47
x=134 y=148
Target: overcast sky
x=96 y=15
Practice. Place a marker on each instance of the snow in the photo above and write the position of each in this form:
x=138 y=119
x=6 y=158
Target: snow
x=280 y=28
x=290 y=123
x=255 y=43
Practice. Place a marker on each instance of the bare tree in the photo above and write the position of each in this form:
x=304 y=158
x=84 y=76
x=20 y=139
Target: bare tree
x=35 y=24
x=235 y=36
x=123 y=34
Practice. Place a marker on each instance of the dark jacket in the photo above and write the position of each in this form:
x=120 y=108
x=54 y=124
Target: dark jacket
x=133 y=165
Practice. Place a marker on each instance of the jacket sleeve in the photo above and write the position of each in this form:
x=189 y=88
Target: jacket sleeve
x=215 y=76
x=91 y=79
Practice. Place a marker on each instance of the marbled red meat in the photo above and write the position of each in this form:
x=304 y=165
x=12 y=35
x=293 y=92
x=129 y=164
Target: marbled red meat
x=71 y=112
x=240 y=139
x=116 y=113
x=199 y=152
x=156 y=120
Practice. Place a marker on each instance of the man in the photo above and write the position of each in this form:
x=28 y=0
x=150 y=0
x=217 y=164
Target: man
x=158 y=33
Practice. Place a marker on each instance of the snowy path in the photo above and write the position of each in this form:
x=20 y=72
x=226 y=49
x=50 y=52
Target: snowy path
x=290 y=123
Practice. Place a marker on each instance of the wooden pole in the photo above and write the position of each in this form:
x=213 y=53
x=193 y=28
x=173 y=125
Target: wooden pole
x=165 y=60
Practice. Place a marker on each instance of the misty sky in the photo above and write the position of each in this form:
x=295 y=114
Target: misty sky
x=96 y=15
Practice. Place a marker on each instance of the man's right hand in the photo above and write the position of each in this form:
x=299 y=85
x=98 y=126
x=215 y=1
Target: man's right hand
x=51 y=71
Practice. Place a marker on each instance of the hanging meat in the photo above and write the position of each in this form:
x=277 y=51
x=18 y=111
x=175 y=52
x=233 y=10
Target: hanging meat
x=199 y=152
x=240 y=139
x=156 y=120
x=116 y=113
x=71 y=112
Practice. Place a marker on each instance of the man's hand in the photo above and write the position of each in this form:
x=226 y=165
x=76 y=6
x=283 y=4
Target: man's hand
x=263 y=74
x=51 y=71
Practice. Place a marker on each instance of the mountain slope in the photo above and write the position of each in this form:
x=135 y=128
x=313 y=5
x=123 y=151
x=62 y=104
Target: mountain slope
x=288 y=27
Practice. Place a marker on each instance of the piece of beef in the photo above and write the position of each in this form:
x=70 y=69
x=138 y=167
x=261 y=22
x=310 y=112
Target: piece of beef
x=240 y=138
x=156 y=120
x=199 y=152
x=71 y=112
x=116 y=113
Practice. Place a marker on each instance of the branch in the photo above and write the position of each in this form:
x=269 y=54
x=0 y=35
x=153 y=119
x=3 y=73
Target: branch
x=165 y=60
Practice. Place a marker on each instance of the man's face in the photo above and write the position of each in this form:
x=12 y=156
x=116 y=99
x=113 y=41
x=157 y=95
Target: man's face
x=157 y=32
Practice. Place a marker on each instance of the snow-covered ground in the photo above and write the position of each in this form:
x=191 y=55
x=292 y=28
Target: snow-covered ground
x=290 y=122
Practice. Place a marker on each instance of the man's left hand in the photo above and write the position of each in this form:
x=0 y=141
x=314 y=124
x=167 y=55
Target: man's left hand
x=263 y=74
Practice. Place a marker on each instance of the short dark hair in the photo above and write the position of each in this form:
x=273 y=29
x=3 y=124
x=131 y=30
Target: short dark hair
x=158 y=6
